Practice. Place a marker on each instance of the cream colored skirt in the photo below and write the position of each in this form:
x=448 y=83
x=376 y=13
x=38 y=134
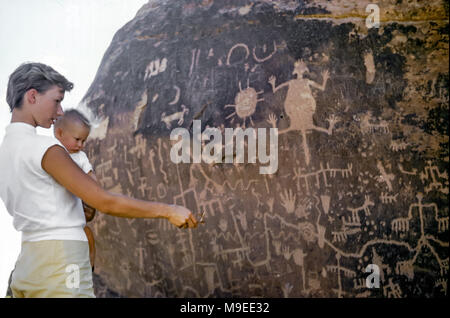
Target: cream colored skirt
x=53 y=269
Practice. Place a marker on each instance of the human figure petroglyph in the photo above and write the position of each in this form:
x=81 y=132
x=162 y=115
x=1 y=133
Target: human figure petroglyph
x=433 y=173
x=300 y=105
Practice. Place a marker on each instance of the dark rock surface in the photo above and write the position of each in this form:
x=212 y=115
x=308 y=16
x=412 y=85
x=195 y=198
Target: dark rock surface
x=362 y=173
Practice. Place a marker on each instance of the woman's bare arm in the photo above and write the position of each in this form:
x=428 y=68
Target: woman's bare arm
x=57 y=163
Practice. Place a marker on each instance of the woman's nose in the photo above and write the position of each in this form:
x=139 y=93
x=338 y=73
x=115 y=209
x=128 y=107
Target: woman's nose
x=59 y=111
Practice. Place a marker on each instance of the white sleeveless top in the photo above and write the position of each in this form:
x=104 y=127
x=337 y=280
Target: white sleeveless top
x=41 y=208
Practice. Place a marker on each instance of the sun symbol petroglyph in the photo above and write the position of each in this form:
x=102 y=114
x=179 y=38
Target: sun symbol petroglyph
x=245 y=103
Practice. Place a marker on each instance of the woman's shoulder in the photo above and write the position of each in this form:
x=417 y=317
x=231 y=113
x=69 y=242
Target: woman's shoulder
x=37 y=146
x=47 y=141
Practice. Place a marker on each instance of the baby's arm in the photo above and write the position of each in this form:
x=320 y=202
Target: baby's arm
x=91 y=241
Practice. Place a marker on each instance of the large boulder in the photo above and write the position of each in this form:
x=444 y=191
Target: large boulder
x=361 y=185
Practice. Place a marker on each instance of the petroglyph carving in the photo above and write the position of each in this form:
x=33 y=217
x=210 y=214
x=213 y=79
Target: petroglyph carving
x=321 y=235
x=175 y=116
x=443 y=283
x=342 y=236
x=140 y=108
x=177 y=95
x=288 y=201
x=398 y=145
x=245 y=103
x=161 y=161
x=365 y=207
x=264 y=49
x=359 y=283
x=194 y=61
x=442 y=223
x=386 y=198
x=239 y=45
x=323 y=172
x=343 y=191
x=433 y=173
x=411 y=173
x=370 y=67
x=155 y=67
x=392 y=290
x=385 y=177
x=405 y=268
x=352 y=220
x=368 y=127
x=307 y=231
x=301 y=210
x=400 y=225
x=300 y=105
x=325 y=200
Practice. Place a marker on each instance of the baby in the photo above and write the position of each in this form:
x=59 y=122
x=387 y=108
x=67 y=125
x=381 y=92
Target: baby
x=72 y=130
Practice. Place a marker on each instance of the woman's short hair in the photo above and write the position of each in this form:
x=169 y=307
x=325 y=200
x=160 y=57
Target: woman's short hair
x=39 y=76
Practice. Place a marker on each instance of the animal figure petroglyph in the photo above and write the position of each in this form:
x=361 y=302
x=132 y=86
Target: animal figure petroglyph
x=368 y=127
x=175 y=116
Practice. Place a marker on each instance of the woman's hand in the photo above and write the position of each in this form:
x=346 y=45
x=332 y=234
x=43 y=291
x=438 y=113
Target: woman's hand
x=181 y=217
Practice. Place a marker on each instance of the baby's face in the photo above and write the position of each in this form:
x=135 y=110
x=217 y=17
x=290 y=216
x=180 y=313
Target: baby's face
x=73 y=137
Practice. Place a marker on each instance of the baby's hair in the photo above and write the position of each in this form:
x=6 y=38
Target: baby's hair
x=73 y=115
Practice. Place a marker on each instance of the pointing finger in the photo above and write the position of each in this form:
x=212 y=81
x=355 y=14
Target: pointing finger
x=192 y=222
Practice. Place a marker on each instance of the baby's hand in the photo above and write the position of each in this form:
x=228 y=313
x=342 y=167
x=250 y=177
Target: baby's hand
x=89 y=212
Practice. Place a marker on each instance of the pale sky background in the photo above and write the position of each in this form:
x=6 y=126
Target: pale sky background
x=69 y=35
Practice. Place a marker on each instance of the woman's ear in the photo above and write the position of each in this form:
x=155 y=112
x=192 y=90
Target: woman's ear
x=30 y=95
